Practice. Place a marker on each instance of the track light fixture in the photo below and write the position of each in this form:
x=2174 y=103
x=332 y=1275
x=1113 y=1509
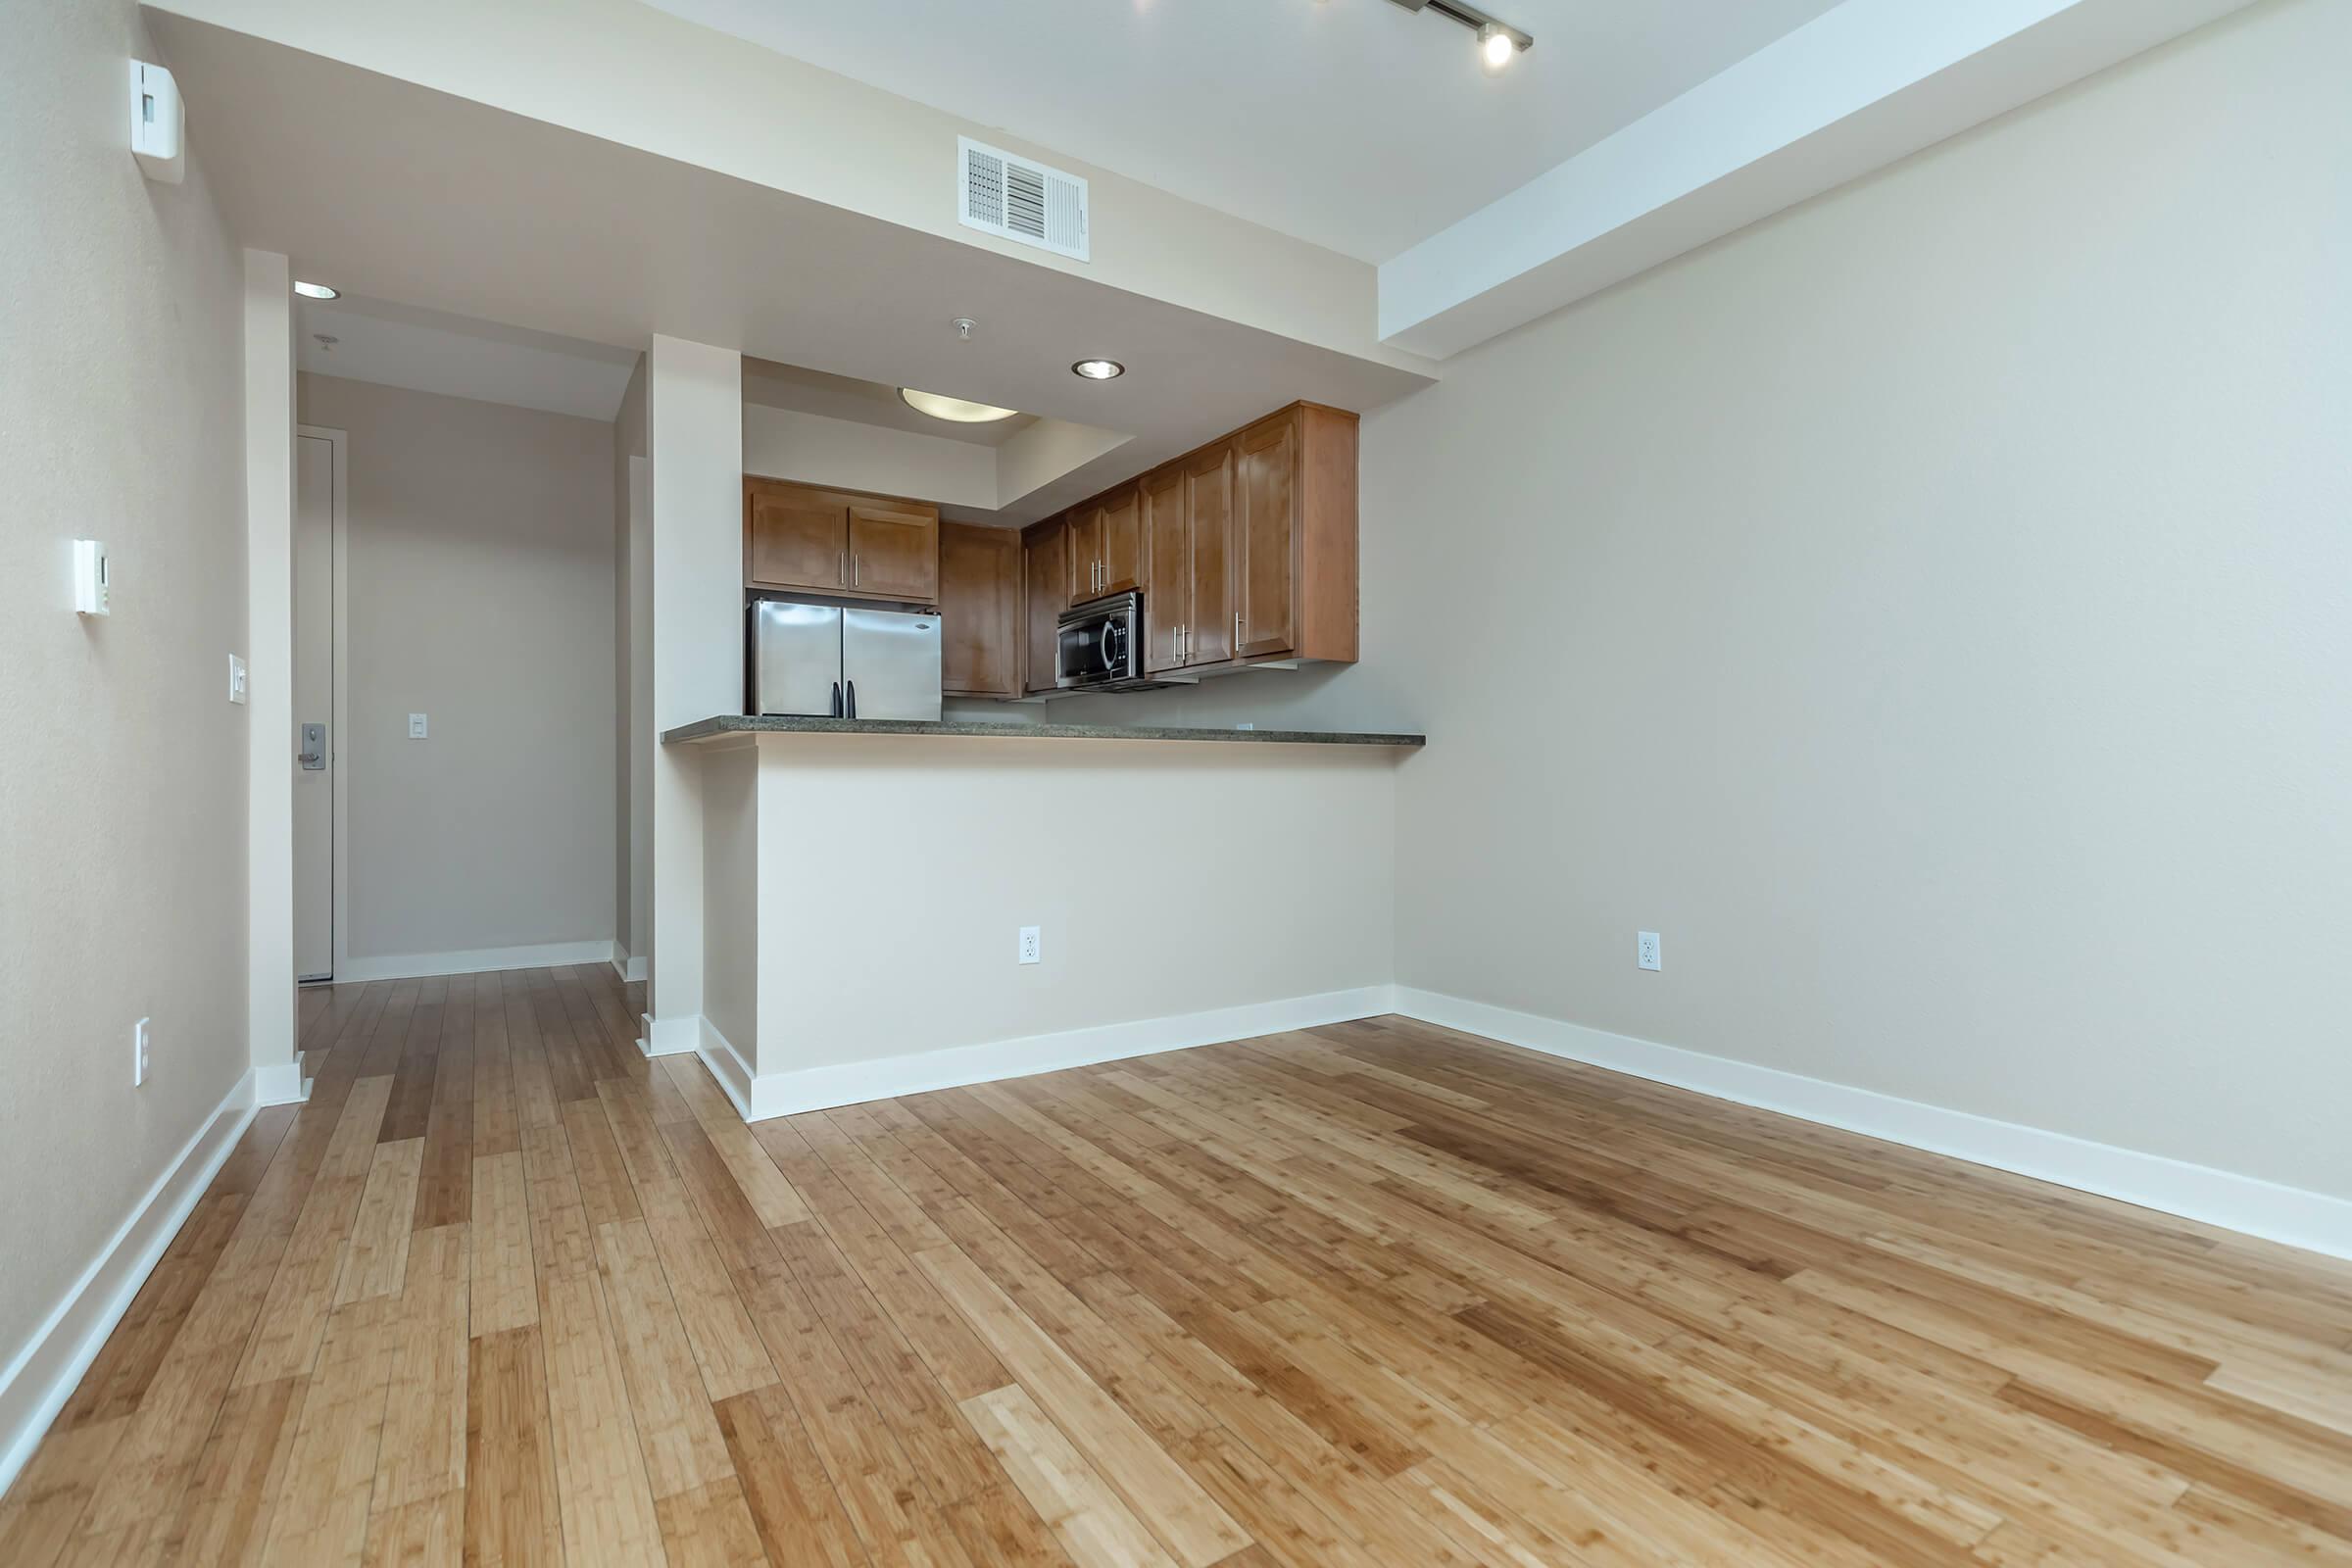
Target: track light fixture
x=1497 y=41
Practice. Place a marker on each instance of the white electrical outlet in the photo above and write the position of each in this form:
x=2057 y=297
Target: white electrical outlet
x=236 y=679
x=140 y=1039
x=1645 y=950
x=416 y=726
x=1031 y=949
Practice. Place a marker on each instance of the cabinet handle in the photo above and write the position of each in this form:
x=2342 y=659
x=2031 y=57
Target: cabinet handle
x=1237 y=634
x=856 y=570
x=840 y=565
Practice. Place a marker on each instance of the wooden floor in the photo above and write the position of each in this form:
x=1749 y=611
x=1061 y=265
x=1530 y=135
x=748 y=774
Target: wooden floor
x=1367 y=1294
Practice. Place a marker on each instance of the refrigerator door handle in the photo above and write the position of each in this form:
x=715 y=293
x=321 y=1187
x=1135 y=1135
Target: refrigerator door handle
x=853 y=712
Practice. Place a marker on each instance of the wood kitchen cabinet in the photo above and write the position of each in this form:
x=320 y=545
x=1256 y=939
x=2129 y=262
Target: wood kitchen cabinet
x=1265 y=521
x=1209 y=562
x=894 y=550
x=1106 y=546
x=1188 y=542
x=979 y=610
x=1293 y=536
x=1167 y=568
x=798 y=536
x=1250 y=545
x=794 y=537
x=1244 y=551
x=1044 y=595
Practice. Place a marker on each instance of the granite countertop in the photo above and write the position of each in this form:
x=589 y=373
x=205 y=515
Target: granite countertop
x=726 y=724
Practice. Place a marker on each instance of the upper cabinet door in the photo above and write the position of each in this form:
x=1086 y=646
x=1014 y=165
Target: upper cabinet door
x=894 y=551
x=1209 y=543
x=979 y=610
x=794 y=537
x=1044 y=595
x=1086 y=552
x=1121 y=543
x=1265 y=534
x=1167 y=568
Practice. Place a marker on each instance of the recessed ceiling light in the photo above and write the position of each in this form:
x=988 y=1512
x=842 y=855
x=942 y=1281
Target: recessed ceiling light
x=317 y=291
x=958 y=410
x=1099 y=370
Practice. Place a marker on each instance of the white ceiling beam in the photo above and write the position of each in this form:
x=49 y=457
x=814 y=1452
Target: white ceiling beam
x=1857 y=88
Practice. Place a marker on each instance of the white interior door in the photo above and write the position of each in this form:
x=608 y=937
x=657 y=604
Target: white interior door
x=316 y=733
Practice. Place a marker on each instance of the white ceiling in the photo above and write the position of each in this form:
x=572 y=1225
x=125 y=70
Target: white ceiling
x=471 y=211
x=458 y=356
x=1351 y=124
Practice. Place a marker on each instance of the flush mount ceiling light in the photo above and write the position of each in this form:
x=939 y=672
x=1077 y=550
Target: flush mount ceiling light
x=959 y=410
x=317 y=291
x=1099 y=370
x=1497 y=41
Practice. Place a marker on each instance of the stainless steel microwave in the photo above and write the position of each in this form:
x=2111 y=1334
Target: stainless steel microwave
x=1099 y=645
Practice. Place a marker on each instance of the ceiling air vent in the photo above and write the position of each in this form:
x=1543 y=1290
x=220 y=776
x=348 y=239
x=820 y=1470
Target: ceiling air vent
x=1015 y=199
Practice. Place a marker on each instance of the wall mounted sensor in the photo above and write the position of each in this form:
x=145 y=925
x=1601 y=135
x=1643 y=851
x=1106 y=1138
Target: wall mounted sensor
x=158 y=127
x=89 y=577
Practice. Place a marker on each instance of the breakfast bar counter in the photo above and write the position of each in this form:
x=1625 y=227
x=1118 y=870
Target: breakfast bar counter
x=725 y=725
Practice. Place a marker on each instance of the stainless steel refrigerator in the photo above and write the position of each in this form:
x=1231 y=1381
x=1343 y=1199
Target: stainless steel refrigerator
x=828 y=660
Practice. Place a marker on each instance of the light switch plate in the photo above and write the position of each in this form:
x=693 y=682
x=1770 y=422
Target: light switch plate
x=416 y=726
x=89 y=577
x=236 y=679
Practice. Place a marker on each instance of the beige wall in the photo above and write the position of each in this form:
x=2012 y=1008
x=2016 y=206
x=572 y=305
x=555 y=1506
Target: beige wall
x=1928 y=611
x=896 y=876
x=786 y=444
x=633 y=627
x=123 y=776
x=481 y=593
x=694 y=435
x=731 y=872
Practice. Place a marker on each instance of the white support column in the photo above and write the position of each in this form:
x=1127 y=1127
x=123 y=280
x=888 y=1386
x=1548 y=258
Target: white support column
x=270 y=675
x=694 y=439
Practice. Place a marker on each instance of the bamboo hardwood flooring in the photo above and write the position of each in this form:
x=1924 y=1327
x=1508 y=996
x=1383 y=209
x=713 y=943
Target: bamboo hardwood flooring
x=504 y=1292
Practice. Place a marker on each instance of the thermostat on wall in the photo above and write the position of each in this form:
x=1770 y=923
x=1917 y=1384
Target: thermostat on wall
x=89 y=577
x=157 y=125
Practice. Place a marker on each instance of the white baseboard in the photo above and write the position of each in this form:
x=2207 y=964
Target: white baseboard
x=479 y=960
x=2313 y=1221
x=787 y=1093
x=281 y=1082
x=37 y=1381
x=671 y=1037
x=624 y=965
x=726 y=1064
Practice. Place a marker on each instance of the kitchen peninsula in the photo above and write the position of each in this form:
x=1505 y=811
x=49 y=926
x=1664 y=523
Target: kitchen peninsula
x=723 y=725
x=865 y=887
